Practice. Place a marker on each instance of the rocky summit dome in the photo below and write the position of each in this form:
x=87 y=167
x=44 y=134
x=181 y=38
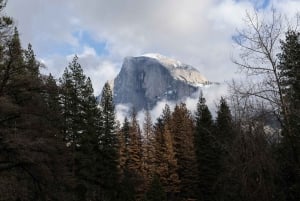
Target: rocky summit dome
x=147 y=79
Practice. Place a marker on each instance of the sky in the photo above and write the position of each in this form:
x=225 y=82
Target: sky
x=103 y=32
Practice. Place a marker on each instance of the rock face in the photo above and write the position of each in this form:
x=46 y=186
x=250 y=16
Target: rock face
x=146 y=79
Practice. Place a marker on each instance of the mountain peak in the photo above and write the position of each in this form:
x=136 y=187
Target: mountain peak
x=179 y=70
x=170 y=62
x=144 y=80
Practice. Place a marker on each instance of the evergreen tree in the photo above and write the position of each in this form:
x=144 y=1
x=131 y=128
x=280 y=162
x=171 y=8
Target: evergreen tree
x=156 y=191
x=225 y=136
x=290 y=80
x=289 y=153
x=52 y=99
x=148 y=149
x=182 y=129
x=108 y=158
x=33 y=160
x=82 y=128
x=30 y=62
x=135 y=156
x=224 y=124
x=108 y=135
x=127 y=181
x=207 y=152
x=166 y=166
x=124 y=139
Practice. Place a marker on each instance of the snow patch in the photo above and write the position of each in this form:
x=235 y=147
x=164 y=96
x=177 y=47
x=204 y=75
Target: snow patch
x=179 y=70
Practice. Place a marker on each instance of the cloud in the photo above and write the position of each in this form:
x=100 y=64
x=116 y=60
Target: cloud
x=103 y=32
x=99 y=69
x=212 y=94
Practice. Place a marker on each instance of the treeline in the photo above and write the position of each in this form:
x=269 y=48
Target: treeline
x=57 y=142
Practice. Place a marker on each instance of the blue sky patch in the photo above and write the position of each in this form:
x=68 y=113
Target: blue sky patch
x=56 y=48
x=258 y=4
x=85 y=39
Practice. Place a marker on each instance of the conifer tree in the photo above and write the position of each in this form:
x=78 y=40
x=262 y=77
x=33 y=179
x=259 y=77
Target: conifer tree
x=52 y=98
x=123 y=139
x=72 y=86
x=127 y=191
x=30 y=151
x=82 y=126
x=182 y=130
x=156 y=191
x=166 y=166
x=290 y=145
x=108 y=136
x=225 y=136
x=148 y=149
x=108 y=158
x=30 y=62
x=224 y=124
x=207 y=152
x=135 y=155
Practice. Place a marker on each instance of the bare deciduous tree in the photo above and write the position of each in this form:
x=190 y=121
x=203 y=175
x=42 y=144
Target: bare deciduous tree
x=259 y=44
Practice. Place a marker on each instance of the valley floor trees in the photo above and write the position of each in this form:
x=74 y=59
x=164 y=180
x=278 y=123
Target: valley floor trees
x=58 y=143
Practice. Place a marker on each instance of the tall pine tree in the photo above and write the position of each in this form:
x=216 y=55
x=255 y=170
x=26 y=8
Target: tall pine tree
x=182 y=129
x=166 y=166
x=290 y=145
x=108 y=143
x=207 y=152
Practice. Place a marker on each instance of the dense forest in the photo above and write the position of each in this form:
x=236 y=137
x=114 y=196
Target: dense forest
x=58 y=142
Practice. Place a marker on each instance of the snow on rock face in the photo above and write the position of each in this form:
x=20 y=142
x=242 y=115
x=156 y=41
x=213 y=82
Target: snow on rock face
x=179 y=70
x=147 y=79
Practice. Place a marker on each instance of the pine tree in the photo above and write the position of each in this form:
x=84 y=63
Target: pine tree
x=30 y=151
x=289 y=153
x=82 y=129
x=224 y=124
x=182 y=129
x=52 y=98
x=135 y=155
x=127 y=191
x=207 y=152
x=108 y=135
x=290 y=80
x=148 y=149
x=30 y=62
x=166 y=166
x=225 y=136
x=156 y=191
x=123 y=138
x=108 y=158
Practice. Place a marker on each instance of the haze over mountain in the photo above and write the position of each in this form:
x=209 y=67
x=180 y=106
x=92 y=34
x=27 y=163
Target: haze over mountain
x=145 y=80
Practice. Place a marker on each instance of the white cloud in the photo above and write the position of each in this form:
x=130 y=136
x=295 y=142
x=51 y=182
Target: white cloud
x=195 y=32
x=212 y=94
x=99 y=69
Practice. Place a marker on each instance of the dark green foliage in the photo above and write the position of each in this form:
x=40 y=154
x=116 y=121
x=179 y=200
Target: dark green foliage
x=224 y=125
x=225 y=135
x=289 y=149
x=208 y=152
x=32 y=160
x=156 y=191
x=57 y=143
x=108 y=136
x=82 y=130
x=108 y=172
x=127 y=191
